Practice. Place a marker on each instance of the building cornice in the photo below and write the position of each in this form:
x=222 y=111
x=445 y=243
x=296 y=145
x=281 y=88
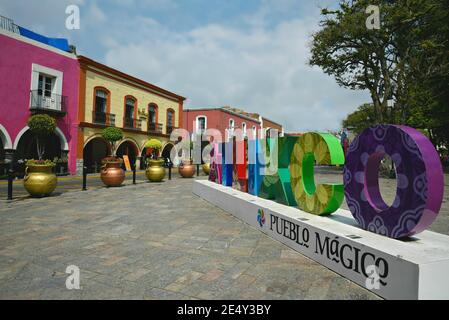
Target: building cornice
x=274 y=122
x=226 y=111
x=35 y=43
x=95 y=66
x=141 y=132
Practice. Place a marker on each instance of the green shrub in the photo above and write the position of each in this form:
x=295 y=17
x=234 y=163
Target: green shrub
x=112 y=135
x=42 y=125
x=155 y=145
x=40 y=163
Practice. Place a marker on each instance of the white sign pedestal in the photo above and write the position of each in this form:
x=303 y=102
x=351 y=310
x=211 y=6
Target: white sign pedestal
x=417 y=268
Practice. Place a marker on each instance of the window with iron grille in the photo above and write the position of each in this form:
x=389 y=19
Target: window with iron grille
x=101 y=99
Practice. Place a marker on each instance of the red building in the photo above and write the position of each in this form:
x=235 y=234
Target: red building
x=227 y=120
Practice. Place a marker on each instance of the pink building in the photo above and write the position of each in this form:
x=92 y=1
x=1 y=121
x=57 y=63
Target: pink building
x=227 y=120
x=37 y=77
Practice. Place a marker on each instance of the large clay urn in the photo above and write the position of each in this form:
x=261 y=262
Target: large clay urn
x=186 y=169
x=39 y=180
x=206 y=168
x=112 y=174
x=155 y=171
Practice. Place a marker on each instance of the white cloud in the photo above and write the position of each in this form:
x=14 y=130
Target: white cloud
x=259 y=64
x=259 y=69
x=96 y=13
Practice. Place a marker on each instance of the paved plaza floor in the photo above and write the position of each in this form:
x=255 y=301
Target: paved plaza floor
x=154 y=241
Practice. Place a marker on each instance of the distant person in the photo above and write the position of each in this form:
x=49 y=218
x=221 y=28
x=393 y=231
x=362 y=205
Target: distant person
x=344 y=141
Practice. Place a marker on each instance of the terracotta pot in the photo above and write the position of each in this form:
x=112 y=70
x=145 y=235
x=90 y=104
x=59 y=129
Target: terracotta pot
x=186 y=169
x=155 y=171
x=112 y=174
x=39 y=180
x=206 y=168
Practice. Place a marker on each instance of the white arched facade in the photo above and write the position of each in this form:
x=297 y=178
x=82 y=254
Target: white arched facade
x=254 y=132
x=244 y=129
x=6 y=139
x=58 y=132
x=197 y=123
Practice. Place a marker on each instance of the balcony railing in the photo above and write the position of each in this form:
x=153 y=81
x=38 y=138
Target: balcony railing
x=104 y=118
x=54 y=103
x=8 y=25
x=155 y=127
x=131 y=123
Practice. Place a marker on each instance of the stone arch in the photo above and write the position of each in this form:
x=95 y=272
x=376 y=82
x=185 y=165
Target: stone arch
x=132 y=141
x=25 y=148
x=129 y=147
x=92 y=137
x=94 y=150
x=6 y=139
x=62 y=139
x=58 y=132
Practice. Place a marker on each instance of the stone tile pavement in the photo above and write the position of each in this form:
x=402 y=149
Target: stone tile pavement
x=153 y=241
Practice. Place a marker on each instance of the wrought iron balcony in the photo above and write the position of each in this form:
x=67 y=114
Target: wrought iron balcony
x=8 y=25
x=131 y=123
x=155 y=127
x=107 y=119
x=54 y=104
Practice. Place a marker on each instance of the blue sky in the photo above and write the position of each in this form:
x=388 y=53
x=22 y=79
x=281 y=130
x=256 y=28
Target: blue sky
x=250 y=54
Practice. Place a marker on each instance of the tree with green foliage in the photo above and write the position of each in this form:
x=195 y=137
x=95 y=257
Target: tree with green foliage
x=112 y=135
x=406 y=60
x=155 y=145
x=429 y=74
x=360 y=119
x=358 y=58
x=42 y=125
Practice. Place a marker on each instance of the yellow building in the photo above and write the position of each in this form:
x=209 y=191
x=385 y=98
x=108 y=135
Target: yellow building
x=108 y=97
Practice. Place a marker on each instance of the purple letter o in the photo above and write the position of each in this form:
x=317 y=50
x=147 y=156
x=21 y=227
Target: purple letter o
x=419 y=177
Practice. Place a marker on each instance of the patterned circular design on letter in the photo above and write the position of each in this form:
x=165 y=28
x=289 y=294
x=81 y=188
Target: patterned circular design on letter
x=325 y=149
x=420 y=181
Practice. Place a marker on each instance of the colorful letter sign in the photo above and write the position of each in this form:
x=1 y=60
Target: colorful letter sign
x=227 y=166
x=240 y=174
x=254 y=166
x=215 y=164
x=325 y=149
x=277 y=186
x=419 y=174
x=419 y=181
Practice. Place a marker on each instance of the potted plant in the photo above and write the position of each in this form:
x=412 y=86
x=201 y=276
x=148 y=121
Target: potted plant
x=155 y=171
x=111 y=172
x=186 y=168
x=39 y=178
x=206 y=168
